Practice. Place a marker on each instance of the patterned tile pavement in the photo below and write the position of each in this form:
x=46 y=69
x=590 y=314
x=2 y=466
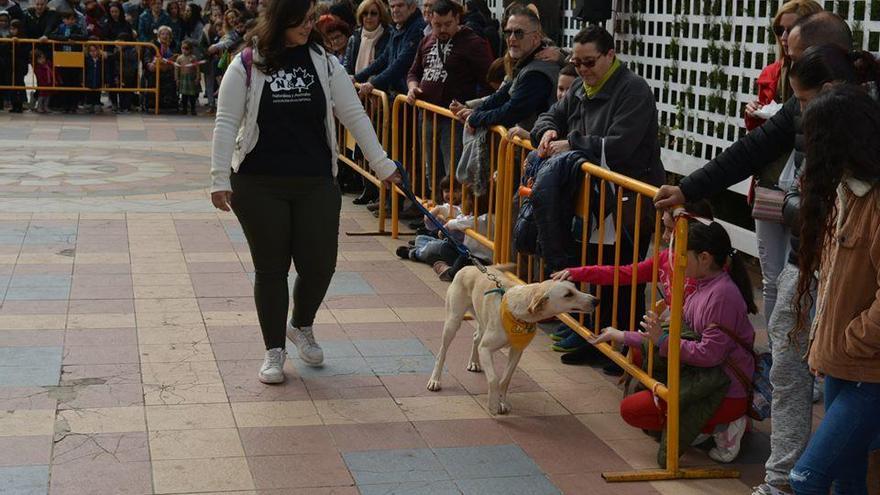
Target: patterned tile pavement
x=129 y=348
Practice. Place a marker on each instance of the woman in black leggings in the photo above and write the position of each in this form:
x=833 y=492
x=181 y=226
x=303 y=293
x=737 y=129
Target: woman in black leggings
x=274 y=164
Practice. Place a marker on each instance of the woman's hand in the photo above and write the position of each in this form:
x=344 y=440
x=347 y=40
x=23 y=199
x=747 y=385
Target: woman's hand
x=561 y=275
x=651 y=324
x=222 y=200
x=752 y=107
x=609 y=334
x=392 y=179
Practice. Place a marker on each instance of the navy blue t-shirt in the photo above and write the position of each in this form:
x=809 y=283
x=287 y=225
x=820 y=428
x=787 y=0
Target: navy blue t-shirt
x=292 y=122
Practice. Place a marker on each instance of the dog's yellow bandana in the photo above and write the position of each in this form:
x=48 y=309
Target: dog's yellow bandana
x=519 y=333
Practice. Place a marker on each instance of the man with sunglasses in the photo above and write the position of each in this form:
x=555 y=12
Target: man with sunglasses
x=530 y=92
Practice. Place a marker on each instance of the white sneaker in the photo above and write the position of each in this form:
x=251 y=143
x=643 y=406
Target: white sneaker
x=304 y=340
x=272 y=370
x=728 y=441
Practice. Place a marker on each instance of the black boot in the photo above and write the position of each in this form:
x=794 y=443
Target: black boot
x=368 y=195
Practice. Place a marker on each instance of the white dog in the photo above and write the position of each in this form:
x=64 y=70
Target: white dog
x=505 y=318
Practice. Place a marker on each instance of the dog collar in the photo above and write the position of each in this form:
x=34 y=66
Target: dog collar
x=519 y=333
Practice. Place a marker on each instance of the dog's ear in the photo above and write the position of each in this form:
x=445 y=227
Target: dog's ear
x=539 y=300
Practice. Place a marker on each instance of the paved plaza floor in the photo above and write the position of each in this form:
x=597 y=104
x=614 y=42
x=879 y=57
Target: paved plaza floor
x=129 y=350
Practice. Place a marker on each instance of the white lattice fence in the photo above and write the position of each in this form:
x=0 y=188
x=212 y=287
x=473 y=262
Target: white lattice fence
x=701 y=57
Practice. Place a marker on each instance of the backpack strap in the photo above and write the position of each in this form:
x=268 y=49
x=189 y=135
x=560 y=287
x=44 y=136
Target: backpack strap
x=247 y=58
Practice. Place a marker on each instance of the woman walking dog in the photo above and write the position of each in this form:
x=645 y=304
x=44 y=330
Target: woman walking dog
x=274 y=164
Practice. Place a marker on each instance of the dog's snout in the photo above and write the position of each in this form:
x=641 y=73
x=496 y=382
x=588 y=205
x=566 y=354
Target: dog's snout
x=592 y=302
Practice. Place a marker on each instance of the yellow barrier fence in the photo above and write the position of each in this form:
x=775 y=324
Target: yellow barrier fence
x=71 y=55
x=418 y=142
x=377 y=108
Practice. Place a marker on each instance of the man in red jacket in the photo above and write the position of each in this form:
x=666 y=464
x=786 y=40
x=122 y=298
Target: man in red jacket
x=450 y=65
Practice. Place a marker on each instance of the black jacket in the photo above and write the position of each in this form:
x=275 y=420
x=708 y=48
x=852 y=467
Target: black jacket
x=623 y=114
x=553 y=200
x=354 y=46
x=746 y=157
x=37 y=26
x=749 y=156
x=488 y=29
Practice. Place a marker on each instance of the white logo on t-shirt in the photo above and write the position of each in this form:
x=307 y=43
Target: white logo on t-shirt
x=295 y=84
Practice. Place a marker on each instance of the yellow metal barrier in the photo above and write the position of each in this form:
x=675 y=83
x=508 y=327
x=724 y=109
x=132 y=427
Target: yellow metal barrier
x=62 y=59
x=596 y=179
x=377 y=108
x=416 y=149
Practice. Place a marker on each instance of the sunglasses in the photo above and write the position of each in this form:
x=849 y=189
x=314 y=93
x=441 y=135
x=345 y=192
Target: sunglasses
x=588 y=63
x=516 y=33
x=779 y=30
x=371 y=13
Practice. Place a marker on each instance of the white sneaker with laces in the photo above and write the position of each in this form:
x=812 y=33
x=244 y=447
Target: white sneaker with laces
x=304 y=340
x=729 y=441
x=272 y=370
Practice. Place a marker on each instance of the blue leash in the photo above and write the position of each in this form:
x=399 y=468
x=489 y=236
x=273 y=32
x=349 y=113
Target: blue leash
x=407 y=191
x=459 y=247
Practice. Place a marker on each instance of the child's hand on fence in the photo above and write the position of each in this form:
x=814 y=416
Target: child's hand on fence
x=651 y=324
x=609 y=334
x=561 y=275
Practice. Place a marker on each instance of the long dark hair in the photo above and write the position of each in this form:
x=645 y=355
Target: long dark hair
x=830 y=63
x=270 y=28
x=713 y=239
x=841 y=126
x=190 y=24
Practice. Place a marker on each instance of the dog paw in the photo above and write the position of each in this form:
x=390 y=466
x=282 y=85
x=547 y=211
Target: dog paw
x=474 y=367
x=503 y=408
x=433 y=385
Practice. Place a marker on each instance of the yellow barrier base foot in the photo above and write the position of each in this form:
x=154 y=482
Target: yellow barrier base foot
x=662 y=474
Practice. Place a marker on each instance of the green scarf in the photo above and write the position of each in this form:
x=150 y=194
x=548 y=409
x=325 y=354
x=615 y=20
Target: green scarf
x=594 y=90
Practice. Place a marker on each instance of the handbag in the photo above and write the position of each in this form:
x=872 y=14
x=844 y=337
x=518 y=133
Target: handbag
x=759 y=388
x=767 y=204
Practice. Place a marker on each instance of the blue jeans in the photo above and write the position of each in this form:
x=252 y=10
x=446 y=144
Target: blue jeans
x=838 y=452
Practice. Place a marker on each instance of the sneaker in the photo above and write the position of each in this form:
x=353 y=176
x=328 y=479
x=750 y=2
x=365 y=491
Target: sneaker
x=729 y=441
x=403 y=252
x=701 y=439
x=272 y=370
x=304 y=340
x=374 y=206
x=768 y=489
x=571 y=343
x=561 y=333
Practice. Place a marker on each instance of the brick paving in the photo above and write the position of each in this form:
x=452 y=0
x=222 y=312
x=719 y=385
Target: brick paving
x=129 y=349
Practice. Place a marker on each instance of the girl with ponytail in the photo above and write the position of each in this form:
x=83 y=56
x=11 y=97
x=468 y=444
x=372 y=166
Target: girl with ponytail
x=718 y=311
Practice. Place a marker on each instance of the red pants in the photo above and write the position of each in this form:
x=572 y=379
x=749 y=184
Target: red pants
x=640 y=411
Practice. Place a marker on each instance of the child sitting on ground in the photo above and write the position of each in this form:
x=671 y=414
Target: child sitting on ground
x=428 y=231
x=441 y=253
